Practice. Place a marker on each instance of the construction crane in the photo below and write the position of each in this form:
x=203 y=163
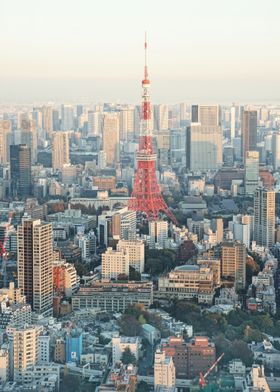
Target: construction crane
x=3 y=252
x=202 y=377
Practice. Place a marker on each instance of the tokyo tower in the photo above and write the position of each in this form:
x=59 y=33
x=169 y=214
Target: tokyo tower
x=146 y=195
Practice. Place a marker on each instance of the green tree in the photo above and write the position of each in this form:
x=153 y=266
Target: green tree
x=134 y=275
x=128 y=357
x=129 y=325
x=70 y=383
x=142 y=386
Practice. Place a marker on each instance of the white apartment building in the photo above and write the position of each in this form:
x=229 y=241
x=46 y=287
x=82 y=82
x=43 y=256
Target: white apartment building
x=158 y=232
x=120 y=343
x=164 y=370
x=114 y=263
x=24 y=349
x=44 y=349
x=136 y=253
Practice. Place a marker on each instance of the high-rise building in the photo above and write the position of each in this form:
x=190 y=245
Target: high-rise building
x=251 y=171
x=55 y=120
x=204 y=139
x=127 y=124
x=29 y=137
x=136 y=253
x=20 y=163
x=35 y=264
x=111 y=137
x=264 y=213
x=232 y=122
x=160 y=117
x=234 y=256
x=24 y=349
x=60 y=150
x=276 y=150
x=67 y=117
x=114 y=263
x=94 y=123
x=249 y=131
x=164 y=370
x=5 y=140
x=158 y=232
x=47 y=112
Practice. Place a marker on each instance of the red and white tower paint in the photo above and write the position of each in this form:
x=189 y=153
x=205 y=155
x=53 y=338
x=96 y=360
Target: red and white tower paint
x=146 y=195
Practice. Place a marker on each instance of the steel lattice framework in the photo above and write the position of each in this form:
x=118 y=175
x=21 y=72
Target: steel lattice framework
x=146 y=195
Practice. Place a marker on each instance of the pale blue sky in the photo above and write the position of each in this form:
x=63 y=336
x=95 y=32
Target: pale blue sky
x=199 y=50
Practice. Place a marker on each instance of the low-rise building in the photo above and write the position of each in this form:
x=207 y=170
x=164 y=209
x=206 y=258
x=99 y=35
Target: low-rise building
x=113 y=297
x=120 y=343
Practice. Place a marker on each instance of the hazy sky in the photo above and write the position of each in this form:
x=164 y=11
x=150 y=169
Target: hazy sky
x=199 y=50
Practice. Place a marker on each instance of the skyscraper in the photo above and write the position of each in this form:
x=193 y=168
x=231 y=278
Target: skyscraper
x=60 y=150
x=276 y=150
x=111 y=137
x=67 y=117
x=5 y=140
x=264 y=212
x=29 y=137
x=234 y=262
x=20 y=163
x=251 y=171
x=35 y=264
x=232 y=122
x=160 y=117
x=249 y=132
x=204 y=139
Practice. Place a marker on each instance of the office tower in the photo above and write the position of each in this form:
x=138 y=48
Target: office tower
x=29 y=136
x=20 y=164
x=158 y=232
x=276 y=150
x=194 y=114
x=160 y=117
x=136 y=253
x=204 y=139
x=55 y=120
x=234 y=263
x=164 y=371
x=94 y=123
x=67 y=117
x=249 y=132
x=251 y=171
x=47 y=112
x=60 y=150
x=79 y=110
x=232 y=122
x=5 y=140
x=178 y=146
x=111 y=137
x=23 y=349
x=240 y=226
x=183 y=112
x=127 y=124
x=37 y=116
x=35 y=264
x=264 y=212
x=114 y=263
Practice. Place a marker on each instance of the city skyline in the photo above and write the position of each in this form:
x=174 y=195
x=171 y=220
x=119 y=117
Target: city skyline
x=65 y=53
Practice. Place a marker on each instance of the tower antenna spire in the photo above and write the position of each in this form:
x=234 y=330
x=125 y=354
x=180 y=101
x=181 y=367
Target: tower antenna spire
x=146 y=66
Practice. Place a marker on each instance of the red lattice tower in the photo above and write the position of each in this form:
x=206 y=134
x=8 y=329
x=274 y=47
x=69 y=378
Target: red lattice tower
x=146 y=195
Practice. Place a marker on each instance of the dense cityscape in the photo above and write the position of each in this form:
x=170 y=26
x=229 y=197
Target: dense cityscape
x=139 y=245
